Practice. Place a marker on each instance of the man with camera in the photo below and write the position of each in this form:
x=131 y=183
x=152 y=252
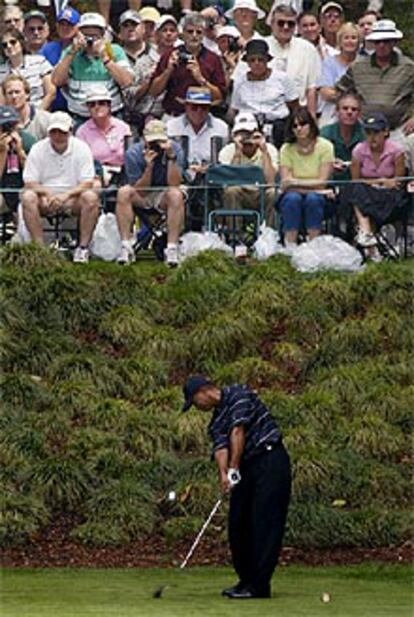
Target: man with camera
x=249 y=147
x=189 y=65
x=90 y=61
x=154 y=169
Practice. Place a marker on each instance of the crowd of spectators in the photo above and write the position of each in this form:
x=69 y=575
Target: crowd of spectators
x=150 y=94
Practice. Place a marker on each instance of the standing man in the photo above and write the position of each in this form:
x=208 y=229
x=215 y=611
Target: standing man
x=35 y=31
x=254 y=468
x=332 y=17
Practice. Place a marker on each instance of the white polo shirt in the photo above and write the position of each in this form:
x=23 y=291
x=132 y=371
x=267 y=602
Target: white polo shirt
x=268 y=96
x=59 y=172
x=199 y=144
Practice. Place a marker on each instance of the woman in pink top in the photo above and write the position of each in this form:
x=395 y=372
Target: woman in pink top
x=378 y=163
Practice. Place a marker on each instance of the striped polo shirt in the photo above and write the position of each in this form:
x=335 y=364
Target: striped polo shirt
x=33 y=69
x=240 y=406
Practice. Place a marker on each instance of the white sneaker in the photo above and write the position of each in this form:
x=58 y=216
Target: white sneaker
x=127 y=255
x=375 y=256
x=365 y=239
x=171 y=255
x=81 y=255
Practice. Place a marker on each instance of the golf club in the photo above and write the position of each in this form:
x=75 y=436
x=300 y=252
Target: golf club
x=159 y=591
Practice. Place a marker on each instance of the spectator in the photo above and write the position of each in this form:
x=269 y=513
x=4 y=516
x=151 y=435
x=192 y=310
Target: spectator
x=35 y=31
x=249 y=147
x=58 y=178
x=166 y=34
x=384 y=80
x=149 y=17
x=189 y=65
x=230 y=49
x=92 y=61
x=333 y=67
x=104 y=134
x=245 y=13
x=213 y=16
x=266 y=92
x=33 y=67
x=16 y=92
x=297 y=57
x=332 y=17
x=154 y=169
x=310 y=29
x=66 y=28
x=345 y=133
x=306 y=163
x=143 y=59
x=199 y=127
x=378 y=163
x=13 y=17
x=14 y=147
x=365 y=24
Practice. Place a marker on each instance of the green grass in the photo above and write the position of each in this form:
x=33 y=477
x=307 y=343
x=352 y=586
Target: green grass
x=369 y=590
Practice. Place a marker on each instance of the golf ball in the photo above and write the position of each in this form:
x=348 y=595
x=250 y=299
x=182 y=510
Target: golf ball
x=172 y=496
x=325 y=597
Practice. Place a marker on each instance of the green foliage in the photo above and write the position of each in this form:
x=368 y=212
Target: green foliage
x=21 y=516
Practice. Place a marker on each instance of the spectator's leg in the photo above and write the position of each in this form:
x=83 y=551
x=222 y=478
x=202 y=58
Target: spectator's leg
x=173 y=203
x=124 y=211
x=291 y=209
x=270 y=198
x=87 y=208
x=314 y=205
x=364 y=222
x=32 y=215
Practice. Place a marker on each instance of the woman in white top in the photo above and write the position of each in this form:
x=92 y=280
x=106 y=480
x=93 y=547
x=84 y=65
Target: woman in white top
x=264 y=91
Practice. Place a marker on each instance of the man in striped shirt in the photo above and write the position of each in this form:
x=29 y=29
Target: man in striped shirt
x=254 y=468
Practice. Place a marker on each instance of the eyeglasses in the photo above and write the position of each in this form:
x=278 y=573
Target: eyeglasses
x=194 y=31
x=95 y=103
x=130 y=24
x=298 y=125
x=286 y=23
x=36 y=28
x=10 y=42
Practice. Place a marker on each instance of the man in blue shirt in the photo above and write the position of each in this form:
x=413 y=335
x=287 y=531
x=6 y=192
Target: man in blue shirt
x=254 y=468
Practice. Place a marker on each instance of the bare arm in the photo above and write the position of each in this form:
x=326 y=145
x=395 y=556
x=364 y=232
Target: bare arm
x=319 y=183
x=328 y=94
x=60 y=74
x=312 y=101
x=222 y=460
x=49 y=90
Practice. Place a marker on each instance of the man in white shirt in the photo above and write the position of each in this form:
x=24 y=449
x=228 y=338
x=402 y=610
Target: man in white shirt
x=297 y=57
x=58 y=178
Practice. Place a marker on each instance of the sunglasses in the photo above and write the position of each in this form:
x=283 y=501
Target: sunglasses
x=95 y=103
x=194 y=31
x=286 y=23
x=298 y=125
x=11 y=42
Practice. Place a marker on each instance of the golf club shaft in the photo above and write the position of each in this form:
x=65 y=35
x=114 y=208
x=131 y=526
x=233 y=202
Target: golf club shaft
x=201 y=532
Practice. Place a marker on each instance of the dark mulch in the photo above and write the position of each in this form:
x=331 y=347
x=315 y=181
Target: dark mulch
x=53 y=547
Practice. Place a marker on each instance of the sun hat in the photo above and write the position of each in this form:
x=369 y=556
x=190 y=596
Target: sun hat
x=256 y=47
x=245 y=4
x=130 y=15
x=94 y=20
x=70 y=15
x=191 y=387
x=384 y=30
x=165 y=19
x=149 y=13
x=245 y=121
x=155 y=130
x=198 y=96
x=375 y=122
x=228 y=31
x=60 y=120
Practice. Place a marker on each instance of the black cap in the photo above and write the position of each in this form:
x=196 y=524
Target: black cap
x=8 y=115
x=257 y=47
x=191 y=387
x=375 y=122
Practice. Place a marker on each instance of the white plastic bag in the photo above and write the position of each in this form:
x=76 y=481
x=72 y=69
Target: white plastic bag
x=106 y=241
x=267 y=244
x=194 y=242
x=324 y=253
x=22 y=235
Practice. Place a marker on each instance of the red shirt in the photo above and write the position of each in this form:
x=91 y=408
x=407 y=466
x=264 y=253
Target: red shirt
x=181 y=78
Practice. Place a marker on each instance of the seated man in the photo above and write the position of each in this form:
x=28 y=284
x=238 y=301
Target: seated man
x=35 y=31
x=249 y=147
x=16 y=92
x=155 y=162
x=58 y=178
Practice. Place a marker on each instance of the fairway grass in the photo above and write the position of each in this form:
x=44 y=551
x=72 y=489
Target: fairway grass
x=370 y=590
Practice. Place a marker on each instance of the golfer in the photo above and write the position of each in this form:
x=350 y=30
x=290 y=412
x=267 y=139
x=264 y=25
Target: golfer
x=254 y=468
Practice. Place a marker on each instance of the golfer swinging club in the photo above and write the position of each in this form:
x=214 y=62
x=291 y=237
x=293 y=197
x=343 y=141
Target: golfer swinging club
x=255 y=468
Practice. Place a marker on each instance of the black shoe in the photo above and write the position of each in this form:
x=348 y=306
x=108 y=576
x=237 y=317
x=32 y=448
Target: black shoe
x=247 y=593
x=230 y=590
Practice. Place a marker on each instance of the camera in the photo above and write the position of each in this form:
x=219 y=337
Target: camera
x=90 y=40
x=8 y=127
x=234 y=46
x=184 y=57
x=211 y=23
x=155 y=146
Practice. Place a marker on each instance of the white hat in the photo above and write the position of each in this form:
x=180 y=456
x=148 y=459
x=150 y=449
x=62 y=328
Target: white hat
x=384 y=30
x=331 y=5
x=245 y=4
x=60 y=120
x=228 y=31
x=245 y=121
x=94 y=20
x=164 y=20
x=130 y=15
x=100 y=93
x=155 y=130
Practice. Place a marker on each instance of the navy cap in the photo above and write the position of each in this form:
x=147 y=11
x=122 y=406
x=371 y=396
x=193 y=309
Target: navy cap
x=191 y=387
x=70 y=15
x=375 y=122
x=8 y=114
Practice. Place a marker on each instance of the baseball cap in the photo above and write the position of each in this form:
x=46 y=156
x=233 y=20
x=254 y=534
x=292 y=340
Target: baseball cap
x=60 y=120
x=191 y=387
x=384 y=30
x=34 y=14
x=100 y=93
x=70 y=15
x=130 y=15
x=8 y=114
x=93 y=20
x=245 y=121
x=155 y=130
x=228 y=31
x=245 y=4
x=164 y=19
x=331 y=5
x=198 y=96
x=149 y=13
x=375 y=122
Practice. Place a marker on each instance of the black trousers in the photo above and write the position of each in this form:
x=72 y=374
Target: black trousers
x=257 y=517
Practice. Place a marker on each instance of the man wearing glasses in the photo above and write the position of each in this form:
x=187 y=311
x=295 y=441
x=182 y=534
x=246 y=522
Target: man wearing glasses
x=297 y=57
x=36 y=31
x=188 y=65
